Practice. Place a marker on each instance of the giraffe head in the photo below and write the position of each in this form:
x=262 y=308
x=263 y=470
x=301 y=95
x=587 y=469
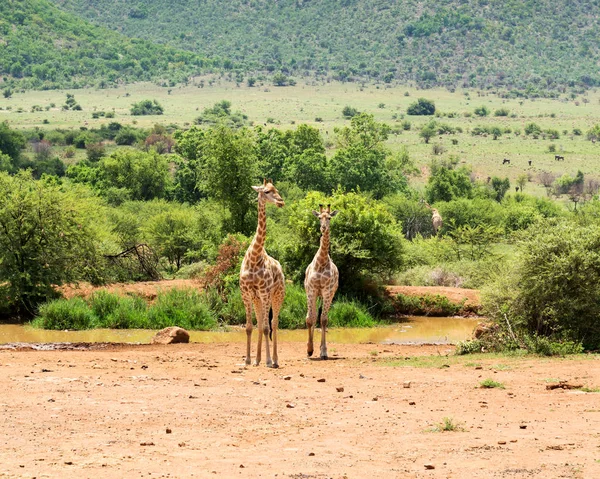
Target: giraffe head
x=325 y=215
x=267 y=192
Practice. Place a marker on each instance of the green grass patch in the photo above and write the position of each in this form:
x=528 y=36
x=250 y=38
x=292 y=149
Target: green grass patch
x=447 y=425
x=426 y=305
x=490 y=384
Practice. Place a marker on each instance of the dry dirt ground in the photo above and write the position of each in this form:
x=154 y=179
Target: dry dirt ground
x=194 y=410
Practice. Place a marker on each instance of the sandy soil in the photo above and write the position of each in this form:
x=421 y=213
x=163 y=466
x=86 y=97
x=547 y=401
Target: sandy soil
x=194 y=410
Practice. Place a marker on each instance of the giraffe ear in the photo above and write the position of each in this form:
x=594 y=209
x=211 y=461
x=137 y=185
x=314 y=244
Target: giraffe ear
x=333 y=213
x=264 y=182
x=316 y=213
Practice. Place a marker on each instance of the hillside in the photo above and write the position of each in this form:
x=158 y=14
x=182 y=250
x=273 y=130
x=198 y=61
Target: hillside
x=44 y=47
x=537 y=45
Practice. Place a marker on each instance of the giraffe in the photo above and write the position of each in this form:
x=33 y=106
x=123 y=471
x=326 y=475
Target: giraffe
x=262 y=282
x=321 y=279
x=436 y=219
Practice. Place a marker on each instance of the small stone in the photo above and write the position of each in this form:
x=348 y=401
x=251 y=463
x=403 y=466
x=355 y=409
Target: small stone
x=513 y=440
x=478 y=367
x=411 y=403
x=429 y=466
x=340 y=389
x=523 y=426
x=51 y=400
x=181 y=444
x=501 y=442
x=287 y=378
x=169 y=430
x=242 y=466
x=290 y=405
x=311 y=453
x=146 y=443
x=375 y=398
x=69 y=463
x=407 y=384
x=322 y=380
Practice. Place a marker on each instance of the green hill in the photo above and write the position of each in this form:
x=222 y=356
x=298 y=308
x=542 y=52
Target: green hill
x=43 y=47
x=541 y=44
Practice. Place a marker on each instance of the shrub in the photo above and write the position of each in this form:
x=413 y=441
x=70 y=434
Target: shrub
x=426 y=305
x=501 y=112
x=490 y=384
x=349 y=112
x=553 y=289
x=421 y=107
x=482 y=111
x=147 y=107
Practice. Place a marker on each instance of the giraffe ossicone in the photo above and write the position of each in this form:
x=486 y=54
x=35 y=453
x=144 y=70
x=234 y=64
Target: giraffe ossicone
x=262 y=282
x=321 y=280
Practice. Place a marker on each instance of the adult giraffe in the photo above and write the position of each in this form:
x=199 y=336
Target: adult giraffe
x=262 y=282
x=321 y=279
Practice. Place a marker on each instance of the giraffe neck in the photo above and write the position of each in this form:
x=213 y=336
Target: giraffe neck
x=322 y=255
x=257 y=247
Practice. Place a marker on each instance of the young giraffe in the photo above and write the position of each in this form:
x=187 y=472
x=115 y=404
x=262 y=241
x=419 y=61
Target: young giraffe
x=262 y=282
x=321 y=279
x=436 y=219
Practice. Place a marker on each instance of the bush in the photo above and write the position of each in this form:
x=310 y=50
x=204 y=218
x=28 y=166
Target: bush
x=426 y=305
x=421 y=107
x=482 y=111
x=147 y=107
x=501 y=112
x=553 y=289
x=349 y=112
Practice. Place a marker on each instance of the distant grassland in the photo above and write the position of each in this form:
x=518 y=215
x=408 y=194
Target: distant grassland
x=285 y=107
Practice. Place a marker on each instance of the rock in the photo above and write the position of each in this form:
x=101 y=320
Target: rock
x=322 y=380
x=523 y=426
x=411 y=403
x=429 y=466
x=287 y=378
x=340 y=389
x=290 y=406
x=171 y=335
x=501 y=442
x=169 y=430
x=407 y=384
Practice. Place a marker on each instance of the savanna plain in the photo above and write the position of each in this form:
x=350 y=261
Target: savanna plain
x=372 y=410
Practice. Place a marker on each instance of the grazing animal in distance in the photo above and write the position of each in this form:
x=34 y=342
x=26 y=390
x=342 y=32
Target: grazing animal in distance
x=262 y=282
x=559 y=158
x=321 y=279
x=436 y=219
x=529 y=162
x=506 y=161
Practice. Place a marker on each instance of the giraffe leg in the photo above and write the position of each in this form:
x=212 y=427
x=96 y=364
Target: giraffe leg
x=265 y=330
x=277 y=302
x=311 y=319
x=258 y=311
x=248 y=306
x=324 y=321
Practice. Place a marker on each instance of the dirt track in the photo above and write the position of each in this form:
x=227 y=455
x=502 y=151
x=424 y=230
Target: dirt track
x=193 y=410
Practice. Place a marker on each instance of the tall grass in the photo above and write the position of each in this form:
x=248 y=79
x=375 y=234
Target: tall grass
x=186 y=308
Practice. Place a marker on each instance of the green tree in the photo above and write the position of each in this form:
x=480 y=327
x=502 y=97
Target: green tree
x=230 y=170
x=45 y=241
x=145 y=175
x=361 y=159
x=11 y=142
x=172 y=235
x=422 y=106
x=500 y=187
x=428 y=131
x=366 y=241
x=446 y=184
x=349 y=112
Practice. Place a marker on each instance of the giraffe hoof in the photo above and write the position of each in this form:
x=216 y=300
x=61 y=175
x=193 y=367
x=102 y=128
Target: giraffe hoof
x=324 y=357
x=255 y=363
x=309 y=353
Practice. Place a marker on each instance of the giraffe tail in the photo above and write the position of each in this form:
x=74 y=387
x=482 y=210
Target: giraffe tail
x=271 y=324
x=320 y=311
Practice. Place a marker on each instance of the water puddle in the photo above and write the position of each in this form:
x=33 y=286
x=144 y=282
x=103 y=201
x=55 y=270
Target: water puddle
x=415 y=329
